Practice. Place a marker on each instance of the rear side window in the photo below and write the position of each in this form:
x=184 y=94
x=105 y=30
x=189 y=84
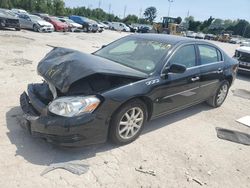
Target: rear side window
x=185 y=56
x=209 y=54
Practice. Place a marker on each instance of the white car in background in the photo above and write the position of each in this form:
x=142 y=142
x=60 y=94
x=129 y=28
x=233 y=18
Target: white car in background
x=118 y=26
x=105 y=26
x=242 y=54
x=200 y=36
x=191 y=34
x=19 y=11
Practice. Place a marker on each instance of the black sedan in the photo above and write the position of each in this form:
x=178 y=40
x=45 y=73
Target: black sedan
x=87 y=98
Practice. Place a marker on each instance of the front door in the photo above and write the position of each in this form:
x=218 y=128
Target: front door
x=179 y=90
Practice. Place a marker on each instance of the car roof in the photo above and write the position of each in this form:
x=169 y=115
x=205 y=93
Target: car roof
x=171 y=39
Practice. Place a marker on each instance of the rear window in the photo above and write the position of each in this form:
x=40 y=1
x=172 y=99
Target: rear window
x=209 y=54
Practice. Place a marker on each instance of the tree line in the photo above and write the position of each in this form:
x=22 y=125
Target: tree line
x=57 y=8
x=239 y=27
x=216 y=26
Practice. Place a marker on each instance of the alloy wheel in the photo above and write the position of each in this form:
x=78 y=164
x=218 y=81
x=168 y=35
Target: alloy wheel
x=130 y=123
x=222 y=94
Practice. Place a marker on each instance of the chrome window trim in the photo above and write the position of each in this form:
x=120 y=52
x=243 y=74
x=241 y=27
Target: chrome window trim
x=175 y=50
x=217 y=49
x=195 y=45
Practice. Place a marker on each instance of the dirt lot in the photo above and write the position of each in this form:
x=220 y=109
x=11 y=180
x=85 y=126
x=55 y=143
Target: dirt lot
x=181 y=148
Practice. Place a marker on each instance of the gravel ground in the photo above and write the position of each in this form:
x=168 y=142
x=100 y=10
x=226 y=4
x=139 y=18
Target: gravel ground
x=182 y=148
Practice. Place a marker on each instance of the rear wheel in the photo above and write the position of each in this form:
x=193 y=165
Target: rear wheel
x=220 y=96
x=128 y=121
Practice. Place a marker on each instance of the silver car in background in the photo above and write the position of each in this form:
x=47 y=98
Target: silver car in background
x=28 y=21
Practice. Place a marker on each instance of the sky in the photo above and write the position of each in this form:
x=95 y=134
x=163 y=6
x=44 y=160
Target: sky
x=200 y=9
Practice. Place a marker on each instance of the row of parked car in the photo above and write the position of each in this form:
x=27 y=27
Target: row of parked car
x=225 y=37
x=39 y=22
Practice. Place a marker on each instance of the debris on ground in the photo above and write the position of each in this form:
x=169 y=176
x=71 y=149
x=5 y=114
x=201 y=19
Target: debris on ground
x=209 y=173
x=244 y=120
x=245 y=94
x=233 y=136
x=74 y=168
x=150 y=172
x=197 y=181
x=19 y=62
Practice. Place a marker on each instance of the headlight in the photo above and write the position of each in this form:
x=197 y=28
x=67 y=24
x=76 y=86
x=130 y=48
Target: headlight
x=74 y=106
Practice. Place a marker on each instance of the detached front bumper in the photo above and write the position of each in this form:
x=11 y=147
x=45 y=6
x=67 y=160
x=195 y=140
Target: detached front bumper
x=74 y=131
x=46 y=29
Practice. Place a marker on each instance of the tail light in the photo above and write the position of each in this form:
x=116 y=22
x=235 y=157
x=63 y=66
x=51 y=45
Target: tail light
x=235 y=68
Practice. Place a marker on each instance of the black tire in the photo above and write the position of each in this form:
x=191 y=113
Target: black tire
x=35 y=28
x=114 y=135
x=213 y=101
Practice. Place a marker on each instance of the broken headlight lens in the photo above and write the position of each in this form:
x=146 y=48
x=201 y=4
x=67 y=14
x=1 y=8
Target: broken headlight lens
x=74 y=106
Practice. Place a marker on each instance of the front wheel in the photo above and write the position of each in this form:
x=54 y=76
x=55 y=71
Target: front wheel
x=220 y=96
x=36 y=28
x=128 y=121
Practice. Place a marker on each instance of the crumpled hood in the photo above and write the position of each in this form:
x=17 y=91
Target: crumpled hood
x=44 y=23
x=62 y=67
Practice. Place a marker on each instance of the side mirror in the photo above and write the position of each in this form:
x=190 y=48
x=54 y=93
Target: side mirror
x=177 y=68
x=174 y=68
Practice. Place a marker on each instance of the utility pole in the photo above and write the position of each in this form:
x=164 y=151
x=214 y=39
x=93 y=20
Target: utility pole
x=125 y=9
x=109 y=8
x=140 y=11
x=170 y=1
x=244 y=31
x=99 y=4
x=90 y=6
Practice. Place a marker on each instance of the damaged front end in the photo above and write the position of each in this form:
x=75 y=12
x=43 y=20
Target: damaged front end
x=67 y=107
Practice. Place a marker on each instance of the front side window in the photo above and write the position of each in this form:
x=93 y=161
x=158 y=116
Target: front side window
x=208 y=54
x=139 y=54
x=184 y=56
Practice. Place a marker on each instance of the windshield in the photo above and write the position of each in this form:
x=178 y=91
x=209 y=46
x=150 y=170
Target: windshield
x=69 y=21
x=136 y=53
x=55 y=19
x=32 y=17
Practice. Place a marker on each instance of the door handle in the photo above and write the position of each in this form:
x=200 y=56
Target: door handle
x=219 y=71
x=195 y=78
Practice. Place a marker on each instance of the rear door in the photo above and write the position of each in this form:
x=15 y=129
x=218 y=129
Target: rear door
x=179 y=89
x=212 y=69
